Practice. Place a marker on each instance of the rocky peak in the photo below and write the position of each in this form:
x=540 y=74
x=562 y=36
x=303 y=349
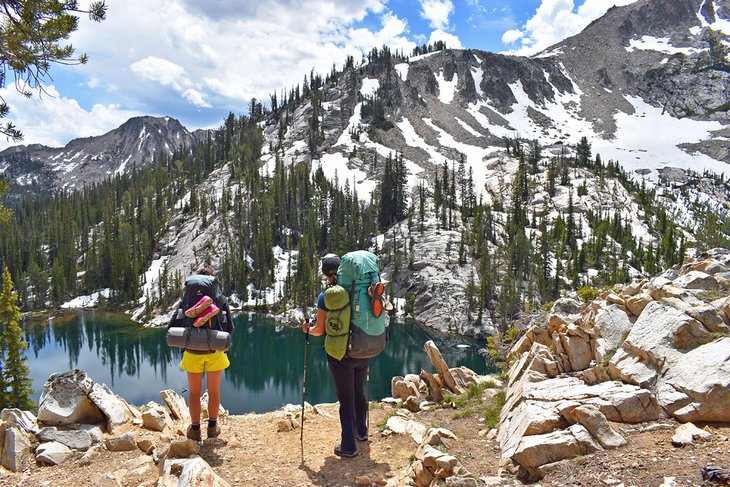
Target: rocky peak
x=90 y=159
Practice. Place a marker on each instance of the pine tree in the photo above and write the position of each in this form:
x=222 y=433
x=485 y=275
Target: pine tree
x=16 y=384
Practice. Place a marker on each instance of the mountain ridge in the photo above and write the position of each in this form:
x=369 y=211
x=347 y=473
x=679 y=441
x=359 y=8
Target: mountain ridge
x=489 y=115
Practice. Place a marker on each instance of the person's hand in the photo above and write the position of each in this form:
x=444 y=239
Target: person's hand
x=307 y=325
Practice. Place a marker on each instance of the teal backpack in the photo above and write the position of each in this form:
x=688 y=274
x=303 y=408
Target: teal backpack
x=359 y=274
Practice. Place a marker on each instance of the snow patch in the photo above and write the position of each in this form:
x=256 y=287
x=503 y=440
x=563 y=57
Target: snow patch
x=634 y=150
x=120 y=169
x=335 y=168
x=88 y=301
x=447 y=89
x=402 y=70
x=275 y=293
x=660 y=44
x=477 y=73
x=369 y=87
x=152 y=279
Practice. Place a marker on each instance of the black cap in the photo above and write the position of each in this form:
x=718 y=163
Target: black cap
x=330 y=263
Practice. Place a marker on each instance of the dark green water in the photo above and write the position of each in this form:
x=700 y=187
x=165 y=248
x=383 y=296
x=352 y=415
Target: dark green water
x=266 y=359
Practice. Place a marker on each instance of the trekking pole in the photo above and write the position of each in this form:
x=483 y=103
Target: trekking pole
x=367 y=400
x=304 y=382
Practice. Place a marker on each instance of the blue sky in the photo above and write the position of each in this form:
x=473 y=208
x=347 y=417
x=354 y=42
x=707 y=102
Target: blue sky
x=196 y=61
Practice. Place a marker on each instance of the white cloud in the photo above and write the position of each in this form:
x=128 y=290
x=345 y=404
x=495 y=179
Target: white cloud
x=186 y=58
x=437 y=12
x=556 y=20
x=511 y=36
x=452 y=41
x=161 y=70
x=54 y=120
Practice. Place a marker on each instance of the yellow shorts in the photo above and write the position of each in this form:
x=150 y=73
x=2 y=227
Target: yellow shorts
x=208 y=362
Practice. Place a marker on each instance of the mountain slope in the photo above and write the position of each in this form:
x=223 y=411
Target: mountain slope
x=135 y=143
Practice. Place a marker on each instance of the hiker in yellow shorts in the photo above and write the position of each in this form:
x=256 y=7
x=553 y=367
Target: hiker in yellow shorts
x=211 y=363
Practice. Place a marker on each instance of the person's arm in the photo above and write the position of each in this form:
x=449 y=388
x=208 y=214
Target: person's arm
x=319 y=325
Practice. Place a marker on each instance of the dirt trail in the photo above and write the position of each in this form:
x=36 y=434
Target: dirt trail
x=250 y=452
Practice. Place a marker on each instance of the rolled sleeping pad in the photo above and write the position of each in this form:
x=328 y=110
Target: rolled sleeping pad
x=198 y=339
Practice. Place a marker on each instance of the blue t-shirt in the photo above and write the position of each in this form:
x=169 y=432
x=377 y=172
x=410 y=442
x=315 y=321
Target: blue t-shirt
x=320 y=302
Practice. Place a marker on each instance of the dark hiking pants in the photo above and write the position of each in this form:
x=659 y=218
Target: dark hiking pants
x=349 y=376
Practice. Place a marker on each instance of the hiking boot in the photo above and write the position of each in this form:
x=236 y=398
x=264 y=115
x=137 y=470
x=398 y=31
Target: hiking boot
x=344 y=454
x=214 y=431
x=361 y=437
x=193 y=434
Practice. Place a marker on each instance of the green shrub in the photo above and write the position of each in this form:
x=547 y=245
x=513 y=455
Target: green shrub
x=587 y=293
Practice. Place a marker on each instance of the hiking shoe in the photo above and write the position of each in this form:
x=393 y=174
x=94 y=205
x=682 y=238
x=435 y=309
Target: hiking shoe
x=340 y=453
x=206 y=316
x=361 y=437
x=214 y=431
x=193 y=434
x=195 y=310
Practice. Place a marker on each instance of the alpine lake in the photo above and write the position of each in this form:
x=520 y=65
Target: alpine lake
x=267 y=359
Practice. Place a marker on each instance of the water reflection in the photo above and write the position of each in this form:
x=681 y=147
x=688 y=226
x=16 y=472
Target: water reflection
x=266 y=359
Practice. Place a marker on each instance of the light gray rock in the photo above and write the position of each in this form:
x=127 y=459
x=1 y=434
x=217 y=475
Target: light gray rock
x=543 y=361
x=662 y=331
x=577 y=345
x=710 y=316
x=114 y=407
x=140 y=465
x=633 y=370
x=534 y=334
x=464 y=377
x=436 y=436
x=434 y=354
x=124 y=442
x=53 y=453
x=462 y=482
x=176 y=404
x=697 y=386
x=564 y=312
x=613 y=325
x=537 y=450
x=16 y=449
x=526 y=419
x=597 y=425
x=25 y=420
x=108 y=479
x=95 y=432
x=65 y=400
x=191 y=472
x=685 y=434
x=155 y=417
x=696 y=280
x=400 y=425
x=412 y=403
x=75 y=439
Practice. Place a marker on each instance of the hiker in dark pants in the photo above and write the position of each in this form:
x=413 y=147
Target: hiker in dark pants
x=348 y=375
